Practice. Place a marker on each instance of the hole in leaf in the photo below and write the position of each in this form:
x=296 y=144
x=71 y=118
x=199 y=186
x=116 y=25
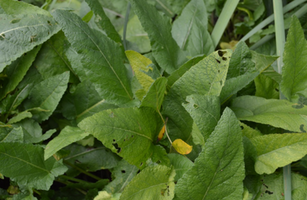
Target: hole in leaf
x=159 y=161
x=221 y=53
x=113 y=140
x=49 y=23
x=268 y=192
x=117 y=147
x=132 y=136
x=242 y=127
x=123 y=171
x=218 y=61
x=141 y=164
x=224 y=58
x=195 y=106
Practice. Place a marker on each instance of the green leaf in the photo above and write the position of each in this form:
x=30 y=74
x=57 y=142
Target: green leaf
x=278 y=150
x=47 y=95
x=102 y=21
x=266 y=87
x=154 y=182
x=164 y=48
x=11 y=134
x=67 y=136
x=16 y=71
x=109 y=75
x=205 y=111
x=155 y=95
x=218 y=171
x=22 y=167
x=183 y=69
x=295 y=58
x=123 y=173
x=22 y=28
x=206 y=77
x=180 y=163
x=249 y=132
x=51 y=60
x=277 y=113
x=130 y=132
x=83 y=102
x=190 y=29
x=31 y=130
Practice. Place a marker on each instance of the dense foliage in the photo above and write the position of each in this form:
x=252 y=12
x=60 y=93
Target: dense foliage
x=137 y=100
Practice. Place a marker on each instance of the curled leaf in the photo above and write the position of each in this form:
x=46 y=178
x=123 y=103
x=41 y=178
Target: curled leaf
x=182 y=147
x=161 y=133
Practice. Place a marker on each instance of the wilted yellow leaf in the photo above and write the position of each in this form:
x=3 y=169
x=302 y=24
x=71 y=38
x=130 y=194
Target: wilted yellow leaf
x=182 y=147
x=161 y=133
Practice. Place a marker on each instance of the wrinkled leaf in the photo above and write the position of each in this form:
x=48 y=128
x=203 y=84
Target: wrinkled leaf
x=218 y=171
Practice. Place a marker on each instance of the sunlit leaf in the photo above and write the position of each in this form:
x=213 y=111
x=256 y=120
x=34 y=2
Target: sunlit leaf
x=182 y=147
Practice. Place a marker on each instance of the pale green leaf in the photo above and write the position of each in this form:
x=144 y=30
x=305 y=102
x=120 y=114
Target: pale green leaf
x=155 y=94
x=24 y=168
x=67 y=136
x=190 y=29
x=103 y=195
x=47 y=95
x=83 y=102
x=180 y=163
x=294 y=71
x=109 y=75
x=140 y=65
x=16 y=71
x=19 y=117
x=164 y=48
x=23 y=27
x=218 y=172
x=278 y=150
x=277 y=113
x=249 y=132
x=130 y=132
x=152 y=183
x=205 y=111
x=198 y=138
x=102 y=21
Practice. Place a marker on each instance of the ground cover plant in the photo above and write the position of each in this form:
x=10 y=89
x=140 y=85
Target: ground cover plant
x=153 y=100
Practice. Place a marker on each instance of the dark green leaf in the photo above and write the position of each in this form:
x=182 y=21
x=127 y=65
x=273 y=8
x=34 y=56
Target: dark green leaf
x=164 y=48
x=8 y=134
x=266 y=87
x=218 y=171
x=24 y=168
x=109 y=75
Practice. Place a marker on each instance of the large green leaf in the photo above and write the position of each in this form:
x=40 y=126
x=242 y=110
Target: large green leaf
x=155 y=94
x=206 y=77
x=205 y=111
x=278 y=150
x=20 y=165
x=16 y=71
x=294 y=71
x=218 y=172
x=102 y=21
x=152 y=183
x=190 y=29
x=67 y=136
x=109 y=75
x=22 y=27
x=164 y=48
x=180 y=163
x=83 y=102
x=266 y=87
x=46 y=95
x=277 y=113
x=130 y=132
x=11 y=134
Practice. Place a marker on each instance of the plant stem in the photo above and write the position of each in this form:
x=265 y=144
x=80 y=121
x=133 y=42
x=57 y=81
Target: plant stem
x=223 y=20
x=280 y=44
x=82 y=171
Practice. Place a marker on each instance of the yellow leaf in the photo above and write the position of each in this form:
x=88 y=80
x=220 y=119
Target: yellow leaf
x=182 y=147
x=161 y=134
